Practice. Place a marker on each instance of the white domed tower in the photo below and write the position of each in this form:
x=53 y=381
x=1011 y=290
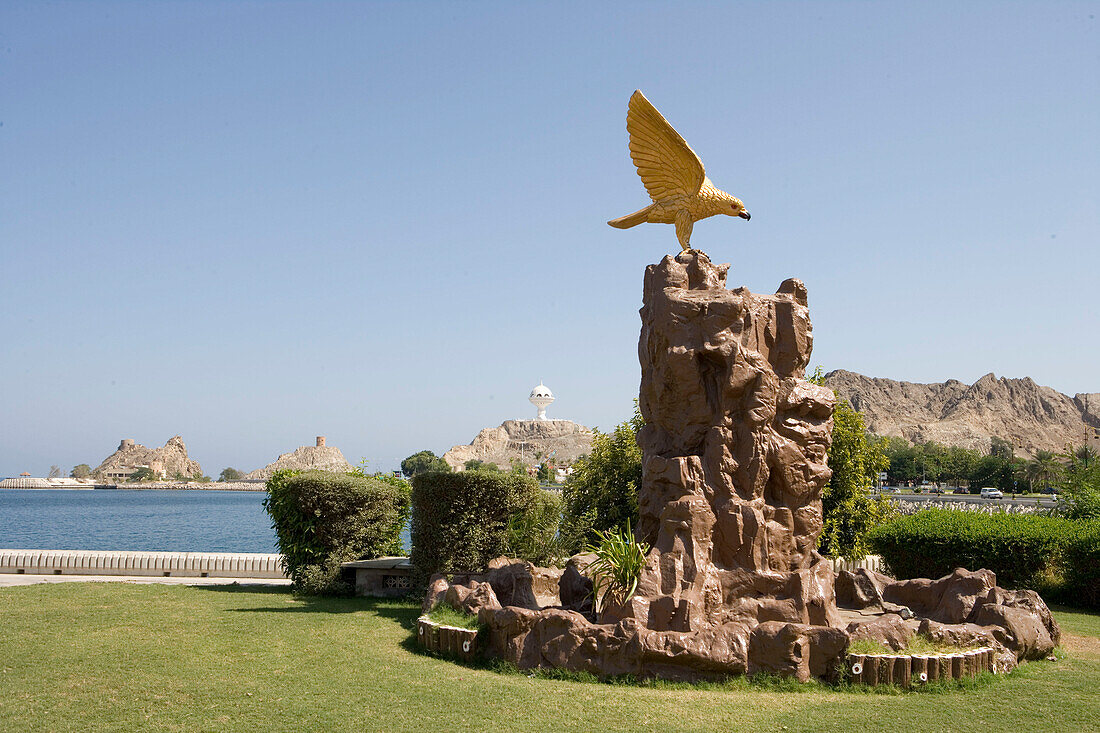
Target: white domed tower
x=541 y=397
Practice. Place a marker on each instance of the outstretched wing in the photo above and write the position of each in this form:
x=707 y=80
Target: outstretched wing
x=668 y=166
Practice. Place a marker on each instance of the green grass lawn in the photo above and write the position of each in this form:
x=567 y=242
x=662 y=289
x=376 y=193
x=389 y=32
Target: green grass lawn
x=84 y=656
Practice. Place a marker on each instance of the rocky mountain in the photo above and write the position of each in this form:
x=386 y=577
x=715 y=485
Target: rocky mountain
x=320 y=457
x=167 y=461
x=1032 y=417
x=525 y=440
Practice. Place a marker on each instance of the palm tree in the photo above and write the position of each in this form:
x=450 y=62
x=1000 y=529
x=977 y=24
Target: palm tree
x=1082 y=457
x=1044 y=468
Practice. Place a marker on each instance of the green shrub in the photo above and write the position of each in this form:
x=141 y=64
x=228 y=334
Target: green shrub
x=460 y=520
x=1024 y=550
x=322 y=519
x=602 y=491
x=533 y=535
x=1081 y=557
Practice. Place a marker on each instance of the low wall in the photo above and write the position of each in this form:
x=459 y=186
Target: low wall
x=871 y=562
x=200 y=564
x=174 y=564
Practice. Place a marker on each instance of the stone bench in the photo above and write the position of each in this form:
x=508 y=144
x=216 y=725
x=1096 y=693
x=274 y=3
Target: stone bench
x=387 y=577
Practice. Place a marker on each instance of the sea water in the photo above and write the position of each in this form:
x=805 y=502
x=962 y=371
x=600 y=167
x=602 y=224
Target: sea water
x=141 y=520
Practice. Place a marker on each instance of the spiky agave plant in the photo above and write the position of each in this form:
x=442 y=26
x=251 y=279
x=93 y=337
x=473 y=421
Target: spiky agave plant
x=617 y=567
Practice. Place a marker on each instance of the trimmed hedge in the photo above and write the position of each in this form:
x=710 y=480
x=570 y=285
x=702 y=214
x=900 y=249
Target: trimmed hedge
x=322 y=519
x=1056 y=556
x=460 y=520
x=1081 y=559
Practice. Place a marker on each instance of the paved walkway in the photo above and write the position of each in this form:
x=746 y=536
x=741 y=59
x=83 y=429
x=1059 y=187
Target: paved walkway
x=10 y=579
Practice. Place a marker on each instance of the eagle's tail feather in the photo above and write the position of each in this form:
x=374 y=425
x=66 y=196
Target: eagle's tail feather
x=631 y=220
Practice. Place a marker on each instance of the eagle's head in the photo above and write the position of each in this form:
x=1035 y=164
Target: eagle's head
x=738 y=209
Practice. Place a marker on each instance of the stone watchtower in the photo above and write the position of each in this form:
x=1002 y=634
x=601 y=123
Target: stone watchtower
x=320 y=441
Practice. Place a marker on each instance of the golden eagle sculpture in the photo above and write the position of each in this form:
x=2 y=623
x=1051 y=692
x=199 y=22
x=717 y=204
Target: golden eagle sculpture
x=673 y=175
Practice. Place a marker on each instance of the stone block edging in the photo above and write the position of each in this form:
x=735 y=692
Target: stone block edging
x=907 y=670
x=453 y=640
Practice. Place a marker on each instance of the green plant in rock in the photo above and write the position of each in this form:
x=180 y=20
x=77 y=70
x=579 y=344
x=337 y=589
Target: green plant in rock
x=918 y=645
x=445 y=615
x=617 y=567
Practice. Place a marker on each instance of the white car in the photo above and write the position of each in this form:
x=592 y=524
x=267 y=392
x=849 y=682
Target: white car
x=990 y=493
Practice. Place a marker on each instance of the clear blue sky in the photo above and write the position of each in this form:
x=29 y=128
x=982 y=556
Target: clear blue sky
x=253 y=223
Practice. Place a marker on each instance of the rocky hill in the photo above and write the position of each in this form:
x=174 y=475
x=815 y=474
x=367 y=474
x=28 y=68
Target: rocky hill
x=1030 y=416
x=168 y=461
x=525 y=440
x=320 y=457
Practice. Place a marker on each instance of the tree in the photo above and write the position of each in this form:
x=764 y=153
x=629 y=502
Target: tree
x=903 y=457
x=546 y=473
x=144 y=473
x=1042 y=469
x=423 y=462
x=602 y=492
x=848 y=508
x=1000 y=448
x=1080 y=484
x=55 y=472
x=81 y=470
x=229 y=474
x=478 y=465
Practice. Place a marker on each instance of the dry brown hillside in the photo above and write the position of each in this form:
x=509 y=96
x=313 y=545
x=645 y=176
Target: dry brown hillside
x=1030 y=416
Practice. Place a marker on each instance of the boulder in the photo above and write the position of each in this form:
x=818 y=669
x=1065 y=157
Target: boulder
x=513 y=581
x=1018 y=629
x=889 y=630
x=438 y=586
x=575 y=588
x=472 y=598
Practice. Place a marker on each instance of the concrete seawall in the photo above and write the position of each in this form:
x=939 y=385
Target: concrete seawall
x=199 y=564
x=161 y=564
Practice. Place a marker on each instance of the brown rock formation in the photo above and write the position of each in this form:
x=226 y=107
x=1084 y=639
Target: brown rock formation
x=734 y=460
x=734 y=453
x=308 y=457
x=1030 y=416
x=522 y=440
x=169 y=460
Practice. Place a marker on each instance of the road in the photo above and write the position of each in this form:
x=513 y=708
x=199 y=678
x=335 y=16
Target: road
x=1045 y=501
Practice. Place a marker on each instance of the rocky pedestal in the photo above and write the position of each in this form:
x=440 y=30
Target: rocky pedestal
x=734 y=453
x=734 y=460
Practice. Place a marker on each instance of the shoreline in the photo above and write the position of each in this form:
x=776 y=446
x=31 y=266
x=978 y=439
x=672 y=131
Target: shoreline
x=155 y=486
x=186 y=486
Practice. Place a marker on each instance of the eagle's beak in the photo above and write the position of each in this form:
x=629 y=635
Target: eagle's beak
x=745 y=215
